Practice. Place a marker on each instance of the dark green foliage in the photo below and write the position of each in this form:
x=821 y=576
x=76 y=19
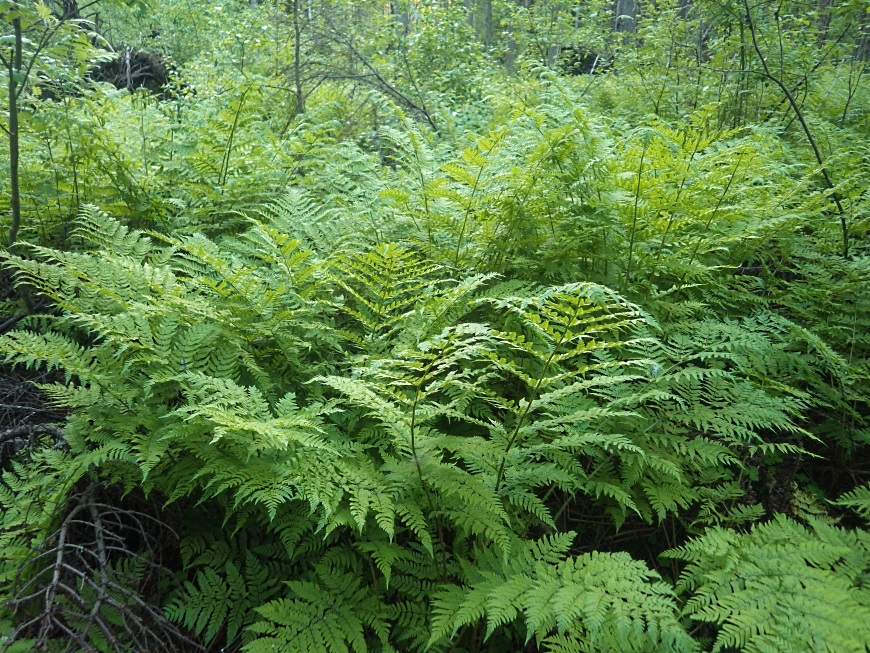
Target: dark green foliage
x=595 y=602
x=381 y=435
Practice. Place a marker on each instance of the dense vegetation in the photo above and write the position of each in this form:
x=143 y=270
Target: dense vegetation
x=435 y=326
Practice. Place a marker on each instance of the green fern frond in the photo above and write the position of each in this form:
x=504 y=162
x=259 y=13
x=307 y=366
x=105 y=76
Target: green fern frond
x=857 y=500
x=321 y=228
x=382 y=286
x=204 y=605
x=97 y=230
x=607 y=601
x=781 y=587
x=334 y=614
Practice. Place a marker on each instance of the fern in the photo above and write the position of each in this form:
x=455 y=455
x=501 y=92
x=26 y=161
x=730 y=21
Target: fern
x=332 y=613
x=375 y=428
x=858 y=500
x=381 y=286
x=594 y=602
x=780 y=587
x=378 y=410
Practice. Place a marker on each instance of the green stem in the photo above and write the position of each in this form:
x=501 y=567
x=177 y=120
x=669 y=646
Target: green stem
x=676 y=199
x=704 y=233
x=14 y=68
x=225 y=164
x=413 y=437
x=634 y=220
x=471 y=199
x=532 y=396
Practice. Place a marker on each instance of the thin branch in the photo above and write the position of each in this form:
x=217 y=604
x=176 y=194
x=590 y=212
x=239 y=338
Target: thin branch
x=800 y=116
x=72 y=583
x=44 y=40
x=30 y=430
x=389 y=87
x=32 y=409
x=12 y=321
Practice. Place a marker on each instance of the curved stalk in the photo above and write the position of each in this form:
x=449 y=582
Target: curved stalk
x=806 y=129
x=634 y=220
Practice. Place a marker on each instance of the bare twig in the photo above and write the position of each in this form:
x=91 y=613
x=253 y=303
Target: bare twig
x=15 y=319
x=29 y=430
x=79 y=581
x=392 y=90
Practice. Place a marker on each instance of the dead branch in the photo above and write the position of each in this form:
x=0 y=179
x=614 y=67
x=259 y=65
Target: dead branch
x=93 y=580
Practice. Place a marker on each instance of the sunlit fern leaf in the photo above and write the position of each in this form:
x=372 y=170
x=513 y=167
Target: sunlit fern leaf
x=858 y=500
x=99 y=231
x=322 y=229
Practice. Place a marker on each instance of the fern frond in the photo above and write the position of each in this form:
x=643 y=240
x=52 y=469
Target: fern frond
x=382 y=286
x=780 y=587
x=333 y=614
x=858 y=500
x=607 y=601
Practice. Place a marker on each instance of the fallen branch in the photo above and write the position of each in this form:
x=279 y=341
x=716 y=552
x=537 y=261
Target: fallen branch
x=29 y=430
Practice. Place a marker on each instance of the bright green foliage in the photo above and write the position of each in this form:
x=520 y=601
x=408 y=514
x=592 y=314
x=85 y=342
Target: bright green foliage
x=444 y=361
x=780 y=587
x=387 y=434
x=858 y=500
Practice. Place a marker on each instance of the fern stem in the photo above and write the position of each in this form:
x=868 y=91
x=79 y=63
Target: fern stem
x=716 y=208
x=73 y=156
x=413 y=438
x=13 y=67
x=415 y=149
x=634 y=219
x=706 y=229
x=835 y=195
x=532 y=396
x=414 y=441
x=471 y=200
x=676 y=199
x=225 y=163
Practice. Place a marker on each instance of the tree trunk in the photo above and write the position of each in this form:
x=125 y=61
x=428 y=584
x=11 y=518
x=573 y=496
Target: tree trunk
x=487 y=11
x=862 y=49
x=626 y=16
x=14 y=150
x=510 y=56
x=553 y=53
x=297 y=53
x=402 y=16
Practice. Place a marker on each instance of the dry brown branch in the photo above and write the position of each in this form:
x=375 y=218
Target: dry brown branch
x=94 y=580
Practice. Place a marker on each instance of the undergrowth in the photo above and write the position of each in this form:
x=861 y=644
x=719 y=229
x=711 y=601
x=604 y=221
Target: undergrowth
x=442 y=367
